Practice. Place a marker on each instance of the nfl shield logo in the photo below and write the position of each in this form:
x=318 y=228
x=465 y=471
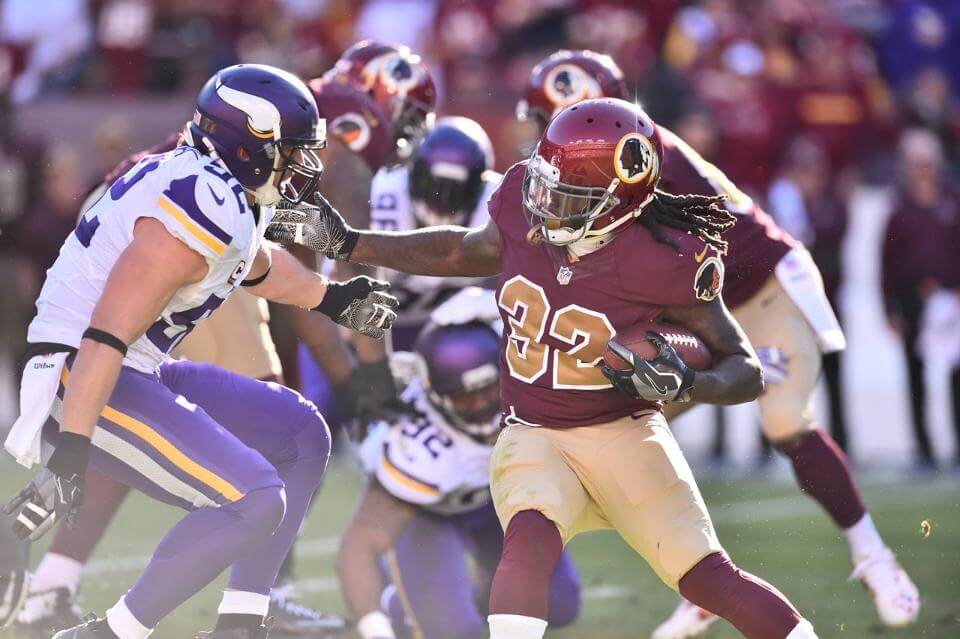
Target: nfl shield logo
x=564 y=275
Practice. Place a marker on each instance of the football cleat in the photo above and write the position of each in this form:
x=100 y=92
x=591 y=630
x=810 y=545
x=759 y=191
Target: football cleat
x=291 y=619
x=894 y=594
x=44 y=613
x=688 y=620
x=92 y=627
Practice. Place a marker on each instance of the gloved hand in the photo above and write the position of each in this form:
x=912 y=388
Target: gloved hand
x=317 y=226
x=55 y=493
x=663 y=379
x=361 y=304
x=371 y=395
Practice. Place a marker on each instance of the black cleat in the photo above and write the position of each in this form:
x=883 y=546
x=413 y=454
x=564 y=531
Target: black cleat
x=291 y=619
x=46 y=613
x=91 y=628
x=263 y=632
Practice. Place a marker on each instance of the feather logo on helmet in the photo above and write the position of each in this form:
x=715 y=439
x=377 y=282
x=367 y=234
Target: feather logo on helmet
x=568 y=84
x=635 y=159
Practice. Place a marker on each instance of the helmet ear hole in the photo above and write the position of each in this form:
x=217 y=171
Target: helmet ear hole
x=242 y=154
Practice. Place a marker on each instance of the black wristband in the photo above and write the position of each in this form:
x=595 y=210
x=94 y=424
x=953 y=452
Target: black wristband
x=349 y=243
x=331 y=305
x=256 y=280
x=70 y=456
x=105 y=338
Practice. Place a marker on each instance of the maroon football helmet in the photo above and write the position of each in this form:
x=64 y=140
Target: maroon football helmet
x=397 y=79
x=596 y=166
x=567 y=77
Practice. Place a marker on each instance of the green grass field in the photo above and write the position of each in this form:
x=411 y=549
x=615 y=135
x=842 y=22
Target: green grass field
x=767 y=526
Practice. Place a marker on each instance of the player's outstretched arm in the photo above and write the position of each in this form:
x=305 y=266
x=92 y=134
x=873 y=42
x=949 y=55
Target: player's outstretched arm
x=438 y=250
x=736 y=376
x=378 y=522
x=362 y=304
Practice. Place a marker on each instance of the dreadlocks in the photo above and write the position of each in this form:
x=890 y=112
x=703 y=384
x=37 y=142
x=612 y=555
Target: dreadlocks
x=702 y=215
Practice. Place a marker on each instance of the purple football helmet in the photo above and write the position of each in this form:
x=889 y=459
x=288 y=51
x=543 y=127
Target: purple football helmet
x=260 y=120
x=463 y=373
x=446 y=175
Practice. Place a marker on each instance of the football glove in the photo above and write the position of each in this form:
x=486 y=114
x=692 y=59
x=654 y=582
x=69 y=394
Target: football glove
x=370 y=395
x=318 y=226
x=55 y=493
x=662 y=379
x=361 y=304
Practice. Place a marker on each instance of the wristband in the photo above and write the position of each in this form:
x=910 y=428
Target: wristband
x=105 y=338
x=256 y=280
x=331 y=305
x=375 y=625
x=69 y=458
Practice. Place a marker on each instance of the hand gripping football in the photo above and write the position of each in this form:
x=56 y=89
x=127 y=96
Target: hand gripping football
x=689 y=347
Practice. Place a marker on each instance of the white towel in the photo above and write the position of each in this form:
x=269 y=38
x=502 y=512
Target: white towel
x=939 y=339
x=38 y=393
x=801 y=279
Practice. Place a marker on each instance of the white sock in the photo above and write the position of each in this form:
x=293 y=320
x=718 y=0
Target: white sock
x=124 y=624
x=803 y=630
x=237 y=602
x=57 y=571
x=516 y=627
x=863 y=538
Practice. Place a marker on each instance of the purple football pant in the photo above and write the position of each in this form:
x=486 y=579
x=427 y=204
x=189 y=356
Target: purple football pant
x=243 y=456
x=435 y=595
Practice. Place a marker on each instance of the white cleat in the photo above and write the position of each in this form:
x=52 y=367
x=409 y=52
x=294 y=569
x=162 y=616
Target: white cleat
x=688 y=620
x=894 y=594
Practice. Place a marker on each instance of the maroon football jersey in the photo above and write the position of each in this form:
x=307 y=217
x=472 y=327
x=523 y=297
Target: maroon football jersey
x=558 y=316
x=356 y=120
x=755 y=243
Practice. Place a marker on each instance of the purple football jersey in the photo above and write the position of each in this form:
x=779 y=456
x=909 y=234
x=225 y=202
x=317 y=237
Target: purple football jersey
x=559 y=314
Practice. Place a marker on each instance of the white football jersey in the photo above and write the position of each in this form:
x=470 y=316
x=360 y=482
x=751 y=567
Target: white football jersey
x=390 y=210
x=427 y=462
x=199 y=203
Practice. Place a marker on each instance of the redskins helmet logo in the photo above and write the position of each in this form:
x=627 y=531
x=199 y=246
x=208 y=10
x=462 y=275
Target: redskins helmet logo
x=568 y=84
x=635 y=159
x=708 y=281
x=351 y=129
x=396 y=72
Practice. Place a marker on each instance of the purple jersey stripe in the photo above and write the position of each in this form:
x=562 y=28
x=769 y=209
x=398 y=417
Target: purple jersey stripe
x=182 y=192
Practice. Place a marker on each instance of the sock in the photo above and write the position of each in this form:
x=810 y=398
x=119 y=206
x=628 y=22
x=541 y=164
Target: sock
x=863 y=538
x=242 y=610
x=123 y=624
x=57 y=571
x=823 y=473
x=757 y=609
x=531 y=549
x=516 y=627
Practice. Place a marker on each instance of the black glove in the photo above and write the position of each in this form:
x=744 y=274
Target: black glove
x=55 y=493
x=370 y=395
x=361 y=304
x=663 y=379
x=319 y=227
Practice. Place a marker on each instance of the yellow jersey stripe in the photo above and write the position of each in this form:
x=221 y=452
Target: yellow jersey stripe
x=409 y=482
x=168 y=450
x=196 y=230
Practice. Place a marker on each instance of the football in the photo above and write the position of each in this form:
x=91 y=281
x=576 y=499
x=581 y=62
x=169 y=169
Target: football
x=689 y=347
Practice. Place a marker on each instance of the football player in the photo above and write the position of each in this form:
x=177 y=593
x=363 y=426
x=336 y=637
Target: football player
x=159 y=252
x=775 y=292
x=584 y=244
x=448 y=180
x=427 y=505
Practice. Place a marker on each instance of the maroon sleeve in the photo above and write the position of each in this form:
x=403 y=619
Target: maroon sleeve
x=169 y=143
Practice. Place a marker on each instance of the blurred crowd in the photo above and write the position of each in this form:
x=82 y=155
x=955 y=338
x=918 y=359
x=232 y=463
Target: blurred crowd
x=798 y=101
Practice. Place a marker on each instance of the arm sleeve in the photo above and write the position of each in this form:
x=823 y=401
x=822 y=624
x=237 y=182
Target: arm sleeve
x=408 y=471
x=200 y=211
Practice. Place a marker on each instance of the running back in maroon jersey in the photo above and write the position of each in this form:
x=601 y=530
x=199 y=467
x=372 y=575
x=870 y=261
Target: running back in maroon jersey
x=356 y=120
x=558 y=316
x=755 y=243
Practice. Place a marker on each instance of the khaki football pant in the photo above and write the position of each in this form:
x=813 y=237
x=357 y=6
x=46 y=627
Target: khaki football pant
x=628 y=475
x=235 y=337
x=771 y=320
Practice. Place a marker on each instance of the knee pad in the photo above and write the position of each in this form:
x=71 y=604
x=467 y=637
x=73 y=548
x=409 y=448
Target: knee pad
x=263 y=509
x=313 y=441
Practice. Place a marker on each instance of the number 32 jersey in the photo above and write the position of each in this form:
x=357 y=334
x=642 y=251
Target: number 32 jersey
x=426 y=462
x=558 y=314
x=199 y=203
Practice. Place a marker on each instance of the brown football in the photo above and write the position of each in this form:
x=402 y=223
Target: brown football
x=689 y=347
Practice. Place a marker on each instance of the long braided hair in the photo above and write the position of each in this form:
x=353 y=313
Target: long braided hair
x=702 y=215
